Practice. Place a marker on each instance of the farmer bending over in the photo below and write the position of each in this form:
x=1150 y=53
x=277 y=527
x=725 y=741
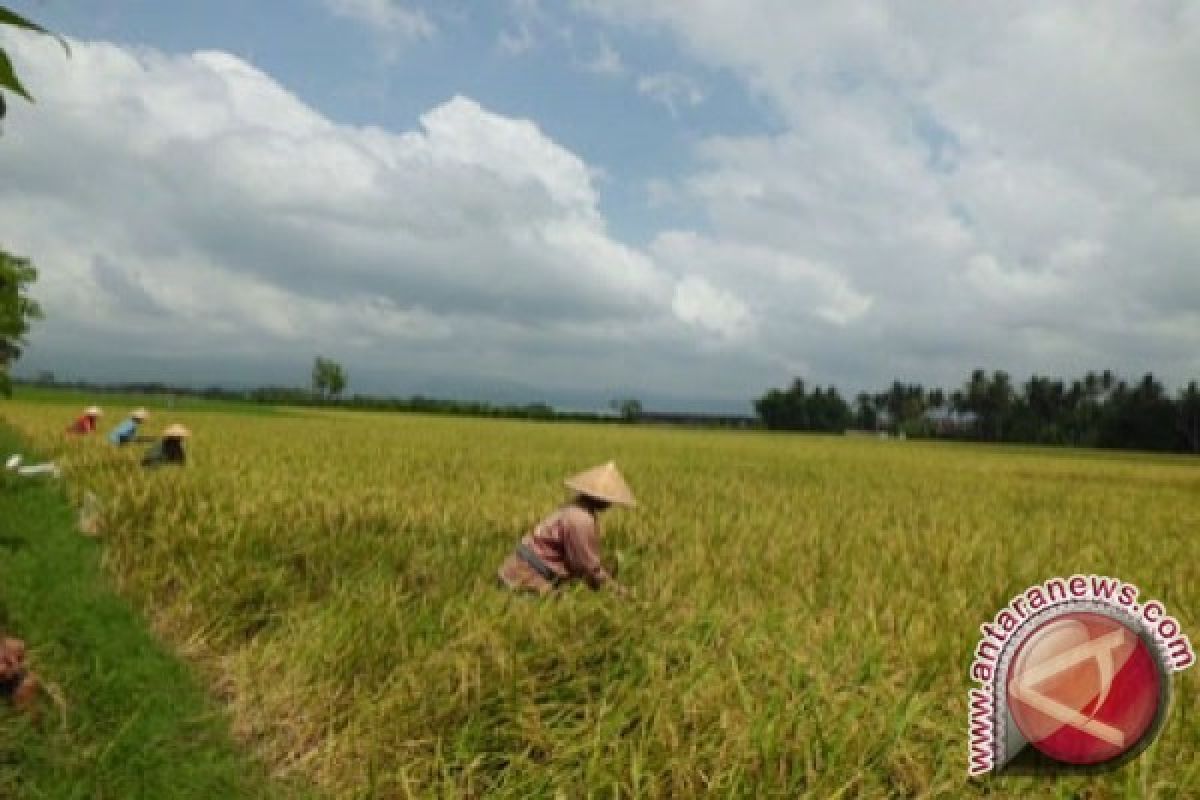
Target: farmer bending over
x=565 y=546
x=169 y=450
x=86 y=422
x=126 y=432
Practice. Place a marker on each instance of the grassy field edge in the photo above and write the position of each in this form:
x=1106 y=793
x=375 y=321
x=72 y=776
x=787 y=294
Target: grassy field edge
x=135 y=722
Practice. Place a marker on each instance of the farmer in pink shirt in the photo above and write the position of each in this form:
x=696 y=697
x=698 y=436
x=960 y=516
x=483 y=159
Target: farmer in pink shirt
x=565 y=546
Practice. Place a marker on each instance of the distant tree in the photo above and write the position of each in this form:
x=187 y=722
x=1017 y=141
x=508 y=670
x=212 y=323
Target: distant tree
x=630 y=408
x=538 y=411
x=1189 y=417
x=328 y=377
x=1000 y=396
x=904 y=404
x=17 y=309
x=797 y=409
x=991 y=399
x=1142 y=417
x=828 y=411
x=866 y=415
x=8 y=75
x=337 y=380
x=45 y=378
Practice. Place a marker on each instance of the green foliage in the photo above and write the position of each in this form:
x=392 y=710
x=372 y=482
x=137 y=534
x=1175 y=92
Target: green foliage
x=328 y=377
x=797 y=409
x=9 y=79
x=8 y=75
x=1189 y=416
x=17 y=309
x=630 y=408
x=1099 y=410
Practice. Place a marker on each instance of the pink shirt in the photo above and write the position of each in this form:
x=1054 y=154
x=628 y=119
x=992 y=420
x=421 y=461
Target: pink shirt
x=568 y=542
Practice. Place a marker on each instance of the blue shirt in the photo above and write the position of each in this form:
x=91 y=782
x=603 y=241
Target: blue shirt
x=124 y=433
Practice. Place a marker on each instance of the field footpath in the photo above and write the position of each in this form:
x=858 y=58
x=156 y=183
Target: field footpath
x=134 y=722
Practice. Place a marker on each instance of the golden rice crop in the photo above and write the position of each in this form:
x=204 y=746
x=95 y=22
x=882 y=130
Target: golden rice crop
x=805 y=614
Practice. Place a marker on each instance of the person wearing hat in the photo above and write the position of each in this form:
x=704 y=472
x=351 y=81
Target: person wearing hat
x=565 y=546
x=169 y=450
x=86 y=423
x=126 y=432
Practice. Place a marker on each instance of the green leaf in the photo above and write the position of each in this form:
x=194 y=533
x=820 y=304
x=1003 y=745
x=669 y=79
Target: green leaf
x=14 y=19
x=9 y=80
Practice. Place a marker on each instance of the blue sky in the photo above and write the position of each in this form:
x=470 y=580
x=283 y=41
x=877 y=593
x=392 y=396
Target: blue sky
x=689 y=201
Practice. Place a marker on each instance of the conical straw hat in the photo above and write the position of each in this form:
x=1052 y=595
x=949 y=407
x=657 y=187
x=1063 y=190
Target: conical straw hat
x=176 y=431
x=139 y=414
x=93 y=411
x=603 y=483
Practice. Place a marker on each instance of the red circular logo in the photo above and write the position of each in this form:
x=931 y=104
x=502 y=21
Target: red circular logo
x=1084 y=688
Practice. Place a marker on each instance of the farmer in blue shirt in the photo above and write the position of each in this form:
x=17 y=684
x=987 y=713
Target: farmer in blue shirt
x=126 y=432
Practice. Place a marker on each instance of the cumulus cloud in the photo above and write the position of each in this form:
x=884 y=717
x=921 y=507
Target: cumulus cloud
x=1006 y=186
x=930 y=188
x=195 y=197
x=699 y=302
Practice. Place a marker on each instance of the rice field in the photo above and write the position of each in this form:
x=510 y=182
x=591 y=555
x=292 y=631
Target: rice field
x=805 y=610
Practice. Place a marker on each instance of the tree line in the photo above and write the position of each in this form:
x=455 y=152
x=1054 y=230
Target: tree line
x=295 y=396
x=1100 y=409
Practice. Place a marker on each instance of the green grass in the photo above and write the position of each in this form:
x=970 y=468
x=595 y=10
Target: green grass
x=135 y=722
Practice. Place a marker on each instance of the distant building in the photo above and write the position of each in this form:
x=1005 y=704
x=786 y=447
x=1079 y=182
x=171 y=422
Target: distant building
x=947 y=422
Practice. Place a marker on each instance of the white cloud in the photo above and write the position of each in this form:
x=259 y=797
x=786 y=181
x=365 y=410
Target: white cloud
x=698 y=302
x=777 y=284
x=388 y=17
x=208 y=204
x=672 y=89
x=931 y=188
x=1008 y=185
